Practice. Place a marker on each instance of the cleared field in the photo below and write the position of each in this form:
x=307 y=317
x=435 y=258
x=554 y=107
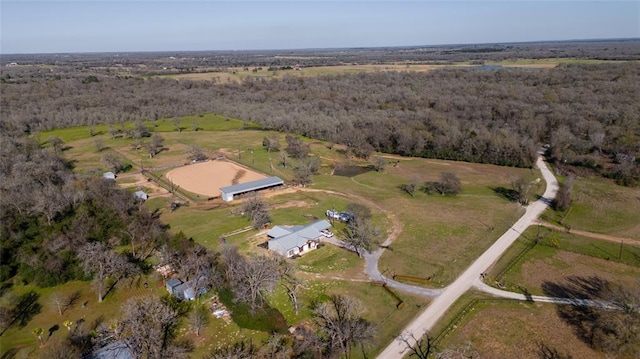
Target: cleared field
x=239 y=74
x=206 y=178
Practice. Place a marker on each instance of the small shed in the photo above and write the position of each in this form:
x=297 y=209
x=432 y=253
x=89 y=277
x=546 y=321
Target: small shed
x=141 y=195
x=109 y=176
x=228 y=192
x=172 y=284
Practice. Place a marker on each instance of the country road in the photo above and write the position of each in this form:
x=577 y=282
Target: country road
x=428 y=318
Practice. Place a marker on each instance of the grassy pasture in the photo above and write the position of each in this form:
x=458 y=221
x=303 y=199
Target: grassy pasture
x=513 y=329
x=440 y=235
x=601 y=206
x=560 y=255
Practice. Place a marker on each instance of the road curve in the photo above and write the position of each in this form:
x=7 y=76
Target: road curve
x=428 y=318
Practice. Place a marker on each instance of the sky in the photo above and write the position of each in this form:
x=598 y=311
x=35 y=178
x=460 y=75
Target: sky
x=139 y=25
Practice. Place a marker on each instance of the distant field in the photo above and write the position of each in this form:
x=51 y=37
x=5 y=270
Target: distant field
x=238 y=74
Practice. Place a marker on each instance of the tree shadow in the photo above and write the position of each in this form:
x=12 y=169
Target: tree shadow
x=9 y=354
x=73 y=298
x=580 y=318
x=506 y=193
x=53 y=329
x=546 y=352
x=26 y=308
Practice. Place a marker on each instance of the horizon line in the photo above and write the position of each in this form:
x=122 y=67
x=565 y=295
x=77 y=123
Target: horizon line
x=329 y=48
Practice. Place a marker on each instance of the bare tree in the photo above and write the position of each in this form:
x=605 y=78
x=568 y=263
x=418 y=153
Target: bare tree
x=198 y=267
x=113 y=161
x=146 y=232
x=198 y=319
x=341 y=325
x=250 y=278
x=147 y=329
x=522 y=186
x=102 y=263
x=290 y=282
x=196 y=153
x=284 y=159
x=176 y=124
x=56 y=143
x=563 y=200
x=296 y=147
x=412 y=186
x=379 y=163
x=361 y=235
x=276 y=347
x=255 y=209
x=271 y=143
x=420 y=348
x=155 y=145
x=59 y=301
x=99 y=144
x=449 y=184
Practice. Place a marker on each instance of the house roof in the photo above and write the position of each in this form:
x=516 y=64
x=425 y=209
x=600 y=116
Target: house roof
x=179 y=290
x=115 y=350
x=173 y=282
x=141 y=195
x=253 y=185
x=109 y=175
x=298 y=237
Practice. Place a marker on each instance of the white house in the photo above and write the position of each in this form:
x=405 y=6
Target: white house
x=296 y=240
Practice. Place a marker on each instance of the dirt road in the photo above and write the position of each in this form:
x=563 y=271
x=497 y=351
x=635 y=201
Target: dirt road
x=428 y=318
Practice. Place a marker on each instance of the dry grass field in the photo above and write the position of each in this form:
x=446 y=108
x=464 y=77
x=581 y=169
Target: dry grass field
x=511 y=329
x=238 y=74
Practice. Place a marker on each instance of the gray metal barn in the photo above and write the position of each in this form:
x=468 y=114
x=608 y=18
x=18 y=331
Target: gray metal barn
x=228 y=192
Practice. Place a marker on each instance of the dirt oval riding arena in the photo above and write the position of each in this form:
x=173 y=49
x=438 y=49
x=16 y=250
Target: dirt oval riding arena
x=206 y=178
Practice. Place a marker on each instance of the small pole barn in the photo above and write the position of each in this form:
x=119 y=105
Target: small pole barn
x=228 y=192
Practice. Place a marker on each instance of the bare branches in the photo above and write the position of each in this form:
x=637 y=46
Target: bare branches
x=250 y=278
x=419 y=348
x=102 y=263
x=339 y=319
x=255 y=208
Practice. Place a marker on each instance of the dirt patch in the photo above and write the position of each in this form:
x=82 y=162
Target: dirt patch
x=139 y=181
x=206 y=178
x=289 y=204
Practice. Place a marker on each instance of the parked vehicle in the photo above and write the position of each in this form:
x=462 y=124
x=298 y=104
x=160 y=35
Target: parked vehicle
x=326 y=233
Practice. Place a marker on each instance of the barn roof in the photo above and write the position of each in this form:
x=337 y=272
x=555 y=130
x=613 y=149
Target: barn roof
x=252 y=186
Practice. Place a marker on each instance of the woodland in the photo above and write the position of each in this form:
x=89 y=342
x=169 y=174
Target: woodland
x=58 y=225
x=586 y=115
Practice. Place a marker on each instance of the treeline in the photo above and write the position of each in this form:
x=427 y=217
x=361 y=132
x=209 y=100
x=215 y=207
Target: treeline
x=588 y=115
x=148 y=63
